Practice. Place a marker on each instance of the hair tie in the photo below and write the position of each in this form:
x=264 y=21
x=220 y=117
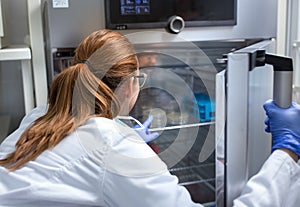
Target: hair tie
x=82 y=61
x=88 y=63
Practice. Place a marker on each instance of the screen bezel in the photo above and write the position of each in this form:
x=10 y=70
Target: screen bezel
x=148 y=25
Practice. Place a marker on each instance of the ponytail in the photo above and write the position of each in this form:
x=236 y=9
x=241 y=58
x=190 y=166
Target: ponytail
x=75 y=95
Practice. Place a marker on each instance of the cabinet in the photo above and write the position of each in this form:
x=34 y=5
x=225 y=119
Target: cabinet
x=23 y=54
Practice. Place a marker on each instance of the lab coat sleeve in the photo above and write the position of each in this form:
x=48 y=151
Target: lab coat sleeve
x=135 y=176
x=158 y=190
x=271 y=187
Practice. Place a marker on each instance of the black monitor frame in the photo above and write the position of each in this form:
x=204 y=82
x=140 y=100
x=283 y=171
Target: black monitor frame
x=110 y=4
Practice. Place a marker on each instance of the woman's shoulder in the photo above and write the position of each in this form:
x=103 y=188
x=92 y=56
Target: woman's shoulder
x=104 y=126
x=112 y=131
x=98 y=132
x=120 y=147
x=34 y=114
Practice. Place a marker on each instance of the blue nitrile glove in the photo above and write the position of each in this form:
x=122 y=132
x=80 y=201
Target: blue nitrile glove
x=144 y=131
x=284 y=125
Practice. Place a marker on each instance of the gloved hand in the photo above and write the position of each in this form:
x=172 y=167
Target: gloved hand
x=144 y=132
x=284 y=125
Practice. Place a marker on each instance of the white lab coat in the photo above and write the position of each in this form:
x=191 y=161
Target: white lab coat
x=104 y=163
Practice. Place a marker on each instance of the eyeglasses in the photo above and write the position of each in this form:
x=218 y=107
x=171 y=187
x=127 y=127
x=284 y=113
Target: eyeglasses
x=142 y=77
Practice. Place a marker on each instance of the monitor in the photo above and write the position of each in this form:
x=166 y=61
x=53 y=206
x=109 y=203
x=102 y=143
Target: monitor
x=141 y=14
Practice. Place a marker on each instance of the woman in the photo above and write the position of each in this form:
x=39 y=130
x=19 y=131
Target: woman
x=76 y=152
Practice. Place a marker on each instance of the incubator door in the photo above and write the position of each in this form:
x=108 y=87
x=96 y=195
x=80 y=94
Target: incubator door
x=247 y=145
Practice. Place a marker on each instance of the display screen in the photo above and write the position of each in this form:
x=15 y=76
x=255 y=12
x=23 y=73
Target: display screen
x=134 y=14
x=135 y=7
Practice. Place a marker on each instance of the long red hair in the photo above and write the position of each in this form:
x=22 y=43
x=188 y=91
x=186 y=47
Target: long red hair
x=86 y=89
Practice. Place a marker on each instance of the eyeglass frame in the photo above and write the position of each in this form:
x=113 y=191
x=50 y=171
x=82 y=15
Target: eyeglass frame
x=141 y=75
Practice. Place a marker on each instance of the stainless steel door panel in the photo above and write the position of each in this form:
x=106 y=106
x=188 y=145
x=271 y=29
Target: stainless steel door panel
x=220 y=135
x=247 y=145
x=237 y=125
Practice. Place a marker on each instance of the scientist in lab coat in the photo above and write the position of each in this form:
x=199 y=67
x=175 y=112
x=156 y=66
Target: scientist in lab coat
x=76 y=152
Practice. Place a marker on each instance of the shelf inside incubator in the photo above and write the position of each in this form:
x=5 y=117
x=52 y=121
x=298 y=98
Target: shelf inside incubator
x=197 y=176
x=181 y=126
